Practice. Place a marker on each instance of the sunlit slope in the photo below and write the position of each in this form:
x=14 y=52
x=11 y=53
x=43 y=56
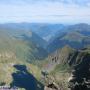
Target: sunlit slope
x=12 y=45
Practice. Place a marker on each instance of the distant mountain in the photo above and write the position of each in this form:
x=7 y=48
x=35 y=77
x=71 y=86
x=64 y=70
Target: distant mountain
x=77 y=36
x=81 y=28
x=43 y=30
x=48 y=31
x=52 y=36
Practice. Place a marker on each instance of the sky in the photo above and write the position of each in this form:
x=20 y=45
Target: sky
x=46 y=11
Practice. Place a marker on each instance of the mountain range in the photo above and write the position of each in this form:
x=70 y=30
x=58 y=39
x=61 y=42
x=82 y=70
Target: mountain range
x=42 y=52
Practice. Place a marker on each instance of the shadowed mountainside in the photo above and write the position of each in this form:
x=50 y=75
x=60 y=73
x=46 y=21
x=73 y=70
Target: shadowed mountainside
x=63 y=62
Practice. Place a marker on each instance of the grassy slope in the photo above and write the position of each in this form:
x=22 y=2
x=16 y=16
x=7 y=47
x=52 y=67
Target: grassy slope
x=14 y=51
x=75 y=36
x=22 y=49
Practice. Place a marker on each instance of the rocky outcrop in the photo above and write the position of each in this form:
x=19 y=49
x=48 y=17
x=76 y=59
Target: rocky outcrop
x=77 y=63
x=52 y=86
x=80 y=76
x=7 y=55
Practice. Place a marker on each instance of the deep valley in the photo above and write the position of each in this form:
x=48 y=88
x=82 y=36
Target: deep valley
x=42 y=56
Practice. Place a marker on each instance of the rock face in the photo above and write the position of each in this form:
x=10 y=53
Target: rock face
x=52 y=86
x=80 y=78
x=50 y=83
x=79 y=66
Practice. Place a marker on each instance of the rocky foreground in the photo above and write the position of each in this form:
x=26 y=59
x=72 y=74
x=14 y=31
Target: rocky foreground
x=79 y=70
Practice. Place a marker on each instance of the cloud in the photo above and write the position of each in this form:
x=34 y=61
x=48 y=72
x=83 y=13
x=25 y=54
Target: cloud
x=78 y=2
x=45 y=11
